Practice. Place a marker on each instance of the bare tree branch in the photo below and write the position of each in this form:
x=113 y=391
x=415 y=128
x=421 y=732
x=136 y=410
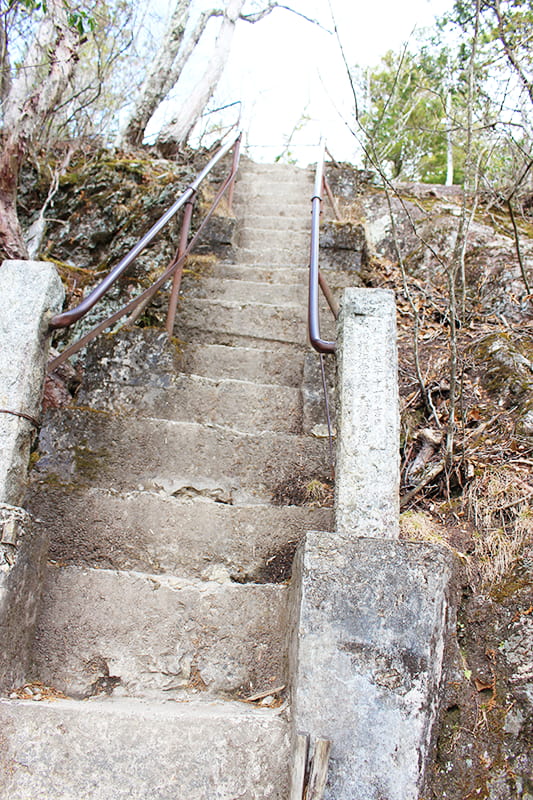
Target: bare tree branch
x=264 y=12
x=509 y=50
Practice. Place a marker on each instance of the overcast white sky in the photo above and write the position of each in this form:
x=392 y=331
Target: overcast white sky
x=283 y=67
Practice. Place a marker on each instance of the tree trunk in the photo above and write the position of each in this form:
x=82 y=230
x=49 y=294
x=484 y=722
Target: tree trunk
x=449 y=141
x=179 y=129
x=159 y=78
x=12 y=243
x=32 y=98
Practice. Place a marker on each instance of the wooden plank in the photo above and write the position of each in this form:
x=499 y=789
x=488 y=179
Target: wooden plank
x=299 y=767
x=319 y=770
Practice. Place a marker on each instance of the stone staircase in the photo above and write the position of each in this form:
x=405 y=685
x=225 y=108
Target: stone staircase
x=165 y=612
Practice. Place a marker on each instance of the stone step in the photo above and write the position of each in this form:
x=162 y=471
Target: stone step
x=297 y=255
x=196 y=534
x=269 y=272
x=275 y=222
x=281 y=323
x=163 y=636
x=147 y=357
x=215 y=360
x=259 y=239
x=238 y=404
x=288 y=187
x=285 y=274
x=294 y=195
x=242 y=291
x=279 y=171
x=265 y=206
x=80 y=447
x=128 y=750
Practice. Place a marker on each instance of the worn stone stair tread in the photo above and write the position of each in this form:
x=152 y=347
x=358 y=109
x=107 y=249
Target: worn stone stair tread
x=290 y=253
x=273 y=207
x=275 y=222
x=158 y=635
x=218 y=360
x=146 y=356
x=245 y=405
x=243 y=291
x=269 y=272
x=292 y=193
x=131 y=750
x=284 y=323
x=276 y=240
x=81 y=447
x=196 y=534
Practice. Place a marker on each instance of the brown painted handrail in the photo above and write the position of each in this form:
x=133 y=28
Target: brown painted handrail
x=316 y=279
x=174 y=268
x=67 y=318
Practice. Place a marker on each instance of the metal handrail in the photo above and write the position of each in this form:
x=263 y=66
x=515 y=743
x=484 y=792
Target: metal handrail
x=316 y=279
x=174 y=269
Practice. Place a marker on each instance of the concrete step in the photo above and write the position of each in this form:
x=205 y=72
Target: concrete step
x=265 y=206
x=159 y=635
x=147 y=357
x=196 y=534
x=296 y=255
x=239 y=404
x=287 y=186
x=275 y=222
x=93 y=448
x=281 y=323
x=129 y=750
x=279 y=171
x=258 y=239
x=270 y=272
x=215 y=360
x=242 y=291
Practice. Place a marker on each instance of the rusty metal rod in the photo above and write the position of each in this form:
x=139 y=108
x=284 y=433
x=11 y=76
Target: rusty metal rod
x=321 y=345
x=176 y=281
x=148 y=293
x=234 y=167
x=328 y=294
x=331 y=199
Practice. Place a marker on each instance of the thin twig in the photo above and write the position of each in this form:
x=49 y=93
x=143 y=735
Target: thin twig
x=517 y=246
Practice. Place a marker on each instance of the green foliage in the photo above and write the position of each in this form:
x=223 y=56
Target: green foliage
x=78 y=18
x=419 y=103
x=405 y=113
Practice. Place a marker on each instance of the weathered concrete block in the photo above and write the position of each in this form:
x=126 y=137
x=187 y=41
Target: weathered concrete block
x=126 y=750
x=21 y=576
x=30 y=292
x=368 y=425
x=366 y=656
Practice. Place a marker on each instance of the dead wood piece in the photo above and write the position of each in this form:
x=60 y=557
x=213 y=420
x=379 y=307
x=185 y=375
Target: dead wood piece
x=299 y=767
x=437 y=469
x=319 y=770
x=266 y=693
x=430 y=441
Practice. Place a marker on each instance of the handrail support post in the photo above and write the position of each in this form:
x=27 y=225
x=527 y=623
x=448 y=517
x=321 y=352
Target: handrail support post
x=176 y=281
x=234 y=165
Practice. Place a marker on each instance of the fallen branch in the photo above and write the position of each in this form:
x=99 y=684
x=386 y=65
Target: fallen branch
x=433 y=473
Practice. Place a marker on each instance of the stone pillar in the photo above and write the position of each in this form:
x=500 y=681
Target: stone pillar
x=370 y=613
x=30 y=293
x=366 y=658
x=368 y=424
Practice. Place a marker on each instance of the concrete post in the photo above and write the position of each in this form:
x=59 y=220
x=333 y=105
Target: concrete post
x=30 y=293
x=366 y=657
x=368 y=425
x=370 y=614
